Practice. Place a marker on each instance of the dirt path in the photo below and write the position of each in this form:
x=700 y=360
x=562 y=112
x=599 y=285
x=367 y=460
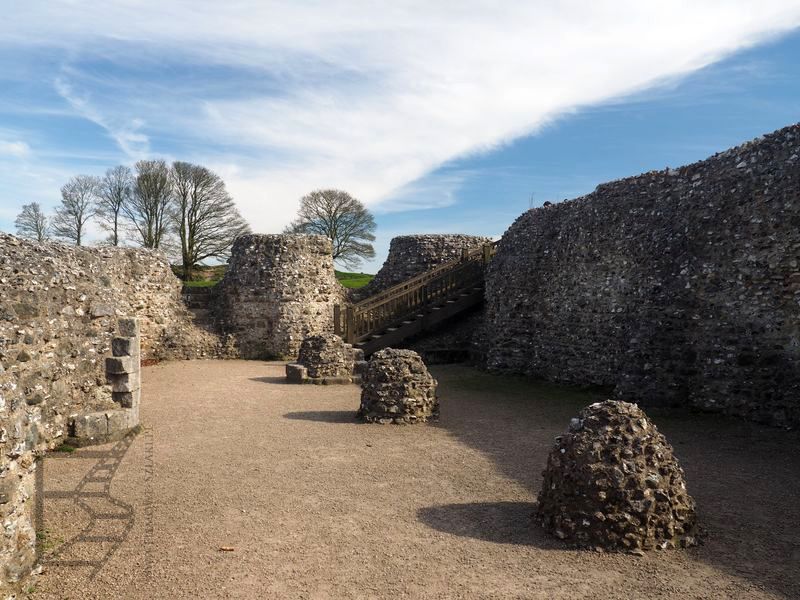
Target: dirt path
x=315 y=505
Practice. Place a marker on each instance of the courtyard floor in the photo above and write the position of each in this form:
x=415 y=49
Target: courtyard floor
x=241 y=486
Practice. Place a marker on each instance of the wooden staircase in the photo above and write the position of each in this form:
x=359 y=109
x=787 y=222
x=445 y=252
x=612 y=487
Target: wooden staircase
x=416 y=305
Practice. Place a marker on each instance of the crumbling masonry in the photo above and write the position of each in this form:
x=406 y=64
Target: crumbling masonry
x=675 y=287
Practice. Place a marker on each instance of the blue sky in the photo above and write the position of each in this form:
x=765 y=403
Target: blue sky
x=441 y=118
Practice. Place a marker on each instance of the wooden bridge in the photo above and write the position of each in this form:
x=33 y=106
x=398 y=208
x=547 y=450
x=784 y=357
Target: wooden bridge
x=415 y=305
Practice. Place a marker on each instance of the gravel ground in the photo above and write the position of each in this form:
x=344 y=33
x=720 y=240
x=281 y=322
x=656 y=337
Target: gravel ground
x=242 y=486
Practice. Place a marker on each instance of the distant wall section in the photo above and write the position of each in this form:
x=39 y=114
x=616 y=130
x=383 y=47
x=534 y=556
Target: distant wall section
x=411 y=255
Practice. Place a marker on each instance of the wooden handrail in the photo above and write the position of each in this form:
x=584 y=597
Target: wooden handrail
x=410 y=297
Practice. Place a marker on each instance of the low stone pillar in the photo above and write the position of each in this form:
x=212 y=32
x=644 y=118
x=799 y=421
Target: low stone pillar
x=326 y=359
x=123 y=373
x=397 y=388
x=124 y=368
x=612 y=483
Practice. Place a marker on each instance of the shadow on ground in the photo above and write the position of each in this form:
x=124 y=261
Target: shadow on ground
x=744 y=477
x=108 y=519
x=499 y=522
x=323 y=416
x=273 y=380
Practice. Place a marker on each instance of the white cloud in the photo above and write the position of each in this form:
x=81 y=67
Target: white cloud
x=372 y=96
x=15 y=149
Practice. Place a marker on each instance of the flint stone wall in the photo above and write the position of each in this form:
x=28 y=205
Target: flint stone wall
x=675 y=287
x=277 y=290
x=411 y=255
x=58 y=314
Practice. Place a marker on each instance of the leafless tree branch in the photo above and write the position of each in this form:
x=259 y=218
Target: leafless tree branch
x=77 y=206
x=32 y=223
x=340 y=217
x=205 y=217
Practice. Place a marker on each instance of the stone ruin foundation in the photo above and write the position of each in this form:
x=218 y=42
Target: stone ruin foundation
x=325 y=358
x=397 y=388
x=123 y=372
x=612 y=483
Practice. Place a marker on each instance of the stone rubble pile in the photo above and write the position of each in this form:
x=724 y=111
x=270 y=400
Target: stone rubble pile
x=325 y=358
x=612 y=483
x=397 y=388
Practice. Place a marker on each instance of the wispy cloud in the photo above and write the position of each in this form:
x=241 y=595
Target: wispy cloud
x=426 y=194
x=364 y=96
x=124 y=130
x=15 y=149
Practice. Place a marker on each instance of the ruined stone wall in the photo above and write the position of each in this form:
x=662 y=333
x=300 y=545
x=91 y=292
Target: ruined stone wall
x=277 y=290
x=676 y=287
x=411 y=255
x=58 y=314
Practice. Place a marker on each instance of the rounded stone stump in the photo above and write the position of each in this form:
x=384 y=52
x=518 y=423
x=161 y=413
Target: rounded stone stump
x=612 y=483
x=397 y=388
x=326 y=355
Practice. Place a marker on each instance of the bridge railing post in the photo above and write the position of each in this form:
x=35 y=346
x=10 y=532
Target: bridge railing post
x=487 y=253
x=349 y=325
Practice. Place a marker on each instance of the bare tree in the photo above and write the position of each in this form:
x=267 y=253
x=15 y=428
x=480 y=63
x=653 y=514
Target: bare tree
x=77 y=207
x=206 y=219
x=147 y=207
x=115 y=189
x=32 y=223
x=342 y=218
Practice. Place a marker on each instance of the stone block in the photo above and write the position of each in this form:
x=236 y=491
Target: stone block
x=125 y=382
x=101 y=310
x=127 y=399
x=90 y=425
x=296 y=373
x=360 y=367
x=330 y=380
x=125 y=346
x=128 y=327
x=121 y=364
x=118 y=421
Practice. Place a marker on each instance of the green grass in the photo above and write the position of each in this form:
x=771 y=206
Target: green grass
x=353 y=280
x=210 y=276
x=203 y=276
x=64 y=448
x=201 y=284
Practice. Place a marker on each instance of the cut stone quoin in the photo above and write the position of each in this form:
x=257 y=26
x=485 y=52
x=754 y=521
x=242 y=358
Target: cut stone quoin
x=125 y=346
x=612 y=483
x=125 y=382
x=121 y=364
x=397 y=388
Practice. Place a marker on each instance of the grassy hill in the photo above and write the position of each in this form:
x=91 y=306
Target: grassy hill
x=209 y=276
x=353 y=280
